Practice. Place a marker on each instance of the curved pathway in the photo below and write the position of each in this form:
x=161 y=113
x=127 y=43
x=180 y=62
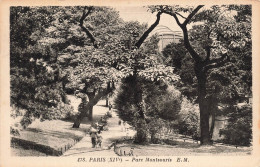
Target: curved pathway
x=114 y=132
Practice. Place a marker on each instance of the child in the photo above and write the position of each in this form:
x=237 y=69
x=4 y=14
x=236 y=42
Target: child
x=99 y=140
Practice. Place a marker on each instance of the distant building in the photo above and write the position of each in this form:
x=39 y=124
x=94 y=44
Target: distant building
x=166 y=36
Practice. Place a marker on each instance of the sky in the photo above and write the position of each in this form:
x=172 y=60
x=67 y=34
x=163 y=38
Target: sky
x=139 y=13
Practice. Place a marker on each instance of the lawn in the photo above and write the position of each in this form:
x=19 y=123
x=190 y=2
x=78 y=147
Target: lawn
x=19 y=151
x=56 y=134
x=184 y=148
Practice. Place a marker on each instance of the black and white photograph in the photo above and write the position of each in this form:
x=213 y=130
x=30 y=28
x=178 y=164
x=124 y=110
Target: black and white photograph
x=114 y=84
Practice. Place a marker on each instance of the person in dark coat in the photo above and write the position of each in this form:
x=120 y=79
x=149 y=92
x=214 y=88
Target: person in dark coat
x=93 y=135
x=110 y=106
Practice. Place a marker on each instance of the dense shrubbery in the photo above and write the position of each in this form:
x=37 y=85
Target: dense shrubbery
x=238 y=131
x=160 y=103
x=155 y=129
x=188 y=124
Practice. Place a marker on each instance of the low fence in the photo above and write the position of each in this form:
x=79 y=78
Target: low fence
x=170 y=138
x=122 y=150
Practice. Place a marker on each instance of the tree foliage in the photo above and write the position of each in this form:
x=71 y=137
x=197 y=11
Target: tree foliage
x=159 y=102
x=80 y=48
x=36 y=82
x=214 y=43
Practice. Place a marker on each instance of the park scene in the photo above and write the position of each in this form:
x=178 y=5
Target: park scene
x=154 y=80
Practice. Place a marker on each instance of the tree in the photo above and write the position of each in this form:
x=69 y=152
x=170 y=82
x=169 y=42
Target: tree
x=140 y=95
x=125 y=59
x=213 y=44
x=88 y=68
x=36 y=82
x=95 y=50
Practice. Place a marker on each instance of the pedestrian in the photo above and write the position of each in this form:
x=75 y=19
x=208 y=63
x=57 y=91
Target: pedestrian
x=127 y=132
x=124 y=124
x=110 y=106
x=99 y=140
x=93 y=135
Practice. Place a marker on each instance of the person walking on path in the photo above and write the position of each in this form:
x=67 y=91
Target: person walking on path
x=93 y=135
x=123 y=126
x=110 y=107
x=99 y=140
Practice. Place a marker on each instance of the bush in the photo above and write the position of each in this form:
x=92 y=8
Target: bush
x=188 y=122
x=70 y=115
x=62 y=111
x=26 y=121
x=165 y=105
x=14 y=131
x=141 y=136
x=155 y=127
x=238 y=131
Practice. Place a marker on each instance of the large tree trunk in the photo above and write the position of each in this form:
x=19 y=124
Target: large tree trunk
x=204 y=110
x=213 y=119
x=90 y=113
x=93 y=100
x=141 y=125
x=79 y=119
x=204 y=123
x=91 y=96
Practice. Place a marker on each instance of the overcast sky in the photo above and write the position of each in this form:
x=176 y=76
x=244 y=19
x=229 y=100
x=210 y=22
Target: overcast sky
x=139 y=13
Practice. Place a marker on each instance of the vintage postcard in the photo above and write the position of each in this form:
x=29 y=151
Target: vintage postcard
x=129 y=83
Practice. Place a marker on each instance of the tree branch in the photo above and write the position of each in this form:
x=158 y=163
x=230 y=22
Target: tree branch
x=83 y=17
x=175 y=17
x=99 y=95
x=181 y=15
x=192 y=14
x=208 y=48
x=183 y=26
x=147 y=32
x=188 y=46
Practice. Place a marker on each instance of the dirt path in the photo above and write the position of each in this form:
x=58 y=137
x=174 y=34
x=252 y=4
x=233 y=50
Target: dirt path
x=114 y=132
